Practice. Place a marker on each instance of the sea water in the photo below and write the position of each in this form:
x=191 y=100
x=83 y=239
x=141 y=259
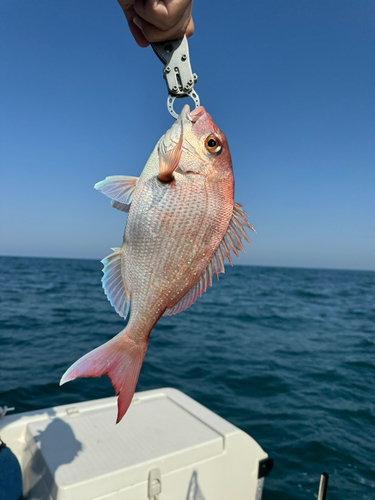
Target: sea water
x=287 y=355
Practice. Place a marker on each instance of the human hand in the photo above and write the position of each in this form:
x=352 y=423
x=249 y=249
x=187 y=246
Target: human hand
x=158 y=20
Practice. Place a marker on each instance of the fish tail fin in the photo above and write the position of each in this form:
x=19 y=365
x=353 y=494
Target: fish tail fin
x=121 y=359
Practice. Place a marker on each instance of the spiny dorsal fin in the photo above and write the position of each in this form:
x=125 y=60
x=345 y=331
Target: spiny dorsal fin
x=232 y=238
x=118 y=187
x=230 y=242
x=114 y=283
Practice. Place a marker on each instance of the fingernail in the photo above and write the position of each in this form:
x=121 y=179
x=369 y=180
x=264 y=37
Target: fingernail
x=137 y=22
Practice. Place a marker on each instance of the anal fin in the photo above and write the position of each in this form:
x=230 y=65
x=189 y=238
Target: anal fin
x=114 y=283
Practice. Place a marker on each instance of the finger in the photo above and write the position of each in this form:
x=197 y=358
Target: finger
x=134 y=29
x=163 y=14
x=190 y=28
x=153 y=34
x=138 y=35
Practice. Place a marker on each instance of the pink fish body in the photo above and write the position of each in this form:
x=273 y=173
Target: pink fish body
x=182 y=223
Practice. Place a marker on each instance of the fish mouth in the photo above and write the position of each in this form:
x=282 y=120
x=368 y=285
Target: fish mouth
x=192 y=116
x=197 y=113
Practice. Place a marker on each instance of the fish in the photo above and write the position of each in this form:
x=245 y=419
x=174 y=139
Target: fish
x=182 y=223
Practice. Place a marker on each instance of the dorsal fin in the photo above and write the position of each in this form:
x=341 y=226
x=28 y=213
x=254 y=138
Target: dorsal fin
x=118 y=187
x=232 y=238
x=230 y=242
x=114 y=283
x=186 y=301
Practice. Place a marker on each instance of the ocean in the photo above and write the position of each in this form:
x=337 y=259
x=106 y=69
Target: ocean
x=287 y=355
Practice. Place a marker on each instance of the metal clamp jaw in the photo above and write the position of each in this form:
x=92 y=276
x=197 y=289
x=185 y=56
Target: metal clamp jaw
x=180 y=79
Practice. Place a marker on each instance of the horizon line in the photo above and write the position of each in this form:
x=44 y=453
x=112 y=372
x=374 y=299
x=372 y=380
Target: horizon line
x=226 y=264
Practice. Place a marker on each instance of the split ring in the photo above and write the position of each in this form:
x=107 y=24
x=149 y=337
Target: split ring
x=171 y=99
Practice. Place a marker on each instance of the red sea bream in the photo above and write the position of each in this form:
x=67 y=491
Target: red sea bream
x=182 y=223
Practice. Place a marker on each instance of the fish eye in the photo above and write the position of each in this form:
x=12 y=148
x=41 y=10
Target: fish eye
x=213 y=144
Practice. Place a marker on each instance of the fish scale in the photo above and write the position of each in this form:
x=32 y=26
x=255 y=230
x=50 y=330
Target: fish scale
x=182 y=223
x=168 y=247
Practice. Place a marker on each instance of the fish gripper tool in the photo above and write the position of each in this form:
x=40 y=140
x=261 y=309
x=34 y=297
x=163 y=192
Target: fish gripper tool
x=180 y=79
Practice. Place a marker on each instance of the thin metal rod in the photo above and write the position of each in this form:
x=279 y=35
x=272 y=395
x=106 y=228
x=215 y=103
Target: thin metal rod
x=323 y=486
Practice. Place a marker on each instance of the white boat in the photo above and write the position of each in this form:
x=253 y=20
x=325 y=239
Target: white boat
x=167 y=447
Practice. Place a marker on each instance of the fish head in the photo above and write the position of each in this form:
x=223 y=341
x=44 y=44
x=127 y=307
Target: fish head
x=205 y=149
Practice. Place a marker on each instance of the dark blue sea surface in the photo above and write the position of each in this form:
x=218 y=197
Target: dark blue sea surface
x=288 y=355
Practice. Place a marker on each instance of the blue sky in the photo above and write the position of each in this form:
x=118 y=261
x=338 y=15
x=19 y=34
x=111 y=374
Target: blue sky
x=290 y=82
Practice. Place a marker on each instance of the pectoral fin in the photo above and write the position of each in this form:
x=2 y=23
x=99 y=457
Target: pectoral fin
x=169 y=160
